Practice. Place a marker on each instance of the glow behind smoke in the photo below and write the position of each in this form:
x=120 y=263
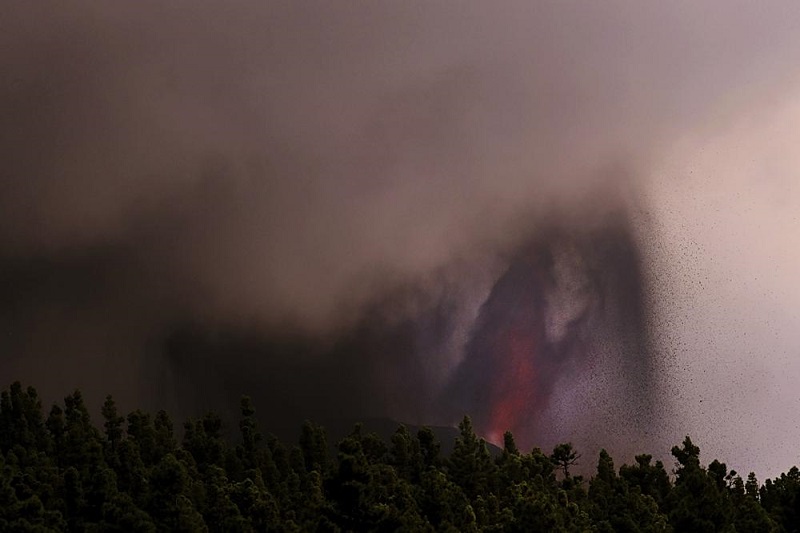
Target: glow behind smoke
x=567 y=297
x=514 y=389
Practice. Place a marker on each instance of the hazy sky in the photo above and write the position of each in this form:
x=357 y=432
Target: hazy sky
x=285 y=165
x=729 y=212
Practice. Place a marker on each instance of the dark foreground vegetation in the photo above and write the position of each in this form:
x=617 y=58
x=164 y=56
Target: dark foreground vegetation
x=60 y=472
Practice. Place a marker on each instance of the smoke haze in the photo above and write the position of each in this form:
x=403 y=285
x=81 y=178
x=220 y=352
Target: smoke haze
x=317 y=204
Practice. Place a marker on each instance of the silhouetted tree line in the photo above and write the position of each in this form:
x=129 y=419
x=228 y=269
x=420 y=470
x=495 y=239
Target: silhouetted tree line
x=61 y=473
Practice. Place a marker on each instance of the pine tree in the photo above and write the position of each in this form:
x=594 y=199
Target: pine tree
x=471 y=466
x=696 y=503
x=113 y=427
x=314 y=447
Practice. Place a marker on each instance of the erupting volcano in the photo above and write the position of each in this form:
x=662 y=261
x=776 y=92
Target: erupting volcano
x=566 y=300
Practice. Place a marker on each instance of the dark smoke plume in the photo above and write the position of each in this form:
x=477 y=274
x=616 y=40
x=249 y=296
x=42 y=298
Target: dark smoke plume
x=569 y=303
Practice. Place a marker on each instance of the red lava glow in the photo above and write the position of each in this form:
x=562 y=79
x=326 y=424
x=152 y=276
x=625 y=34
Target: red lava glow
x=513 y=390
x=517 y=388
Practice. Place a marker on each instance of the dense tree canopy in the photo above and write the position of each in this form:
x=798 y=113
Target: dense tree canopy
x=61 y=473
